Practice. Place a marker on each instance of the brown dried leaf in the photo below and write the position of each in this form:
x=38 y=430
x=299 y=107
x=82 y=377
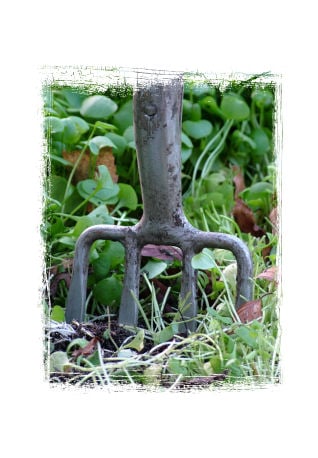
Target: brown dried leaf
x=245 y=219
x=238 y=181
x=162 y=252
x=250 y=311
x=88 y=349
x=269 y=274
x=56 y=280
x=105 y=157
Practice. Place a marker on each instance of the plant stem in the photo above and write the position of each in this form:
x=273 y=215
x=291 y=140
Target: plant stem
x=70 y=178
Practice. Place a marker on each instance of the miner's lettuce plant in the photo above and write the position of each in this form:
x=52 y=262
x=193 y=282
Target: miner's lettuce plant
x=221 y=128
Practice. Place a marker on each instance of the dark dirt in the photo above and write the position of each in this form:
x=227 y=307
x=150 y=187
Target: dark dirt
x=95 y=331
x=90 y=330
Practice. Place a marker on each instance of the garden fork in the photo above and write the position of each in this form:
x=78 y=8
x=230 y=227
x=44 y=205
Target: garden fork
x=157 y=124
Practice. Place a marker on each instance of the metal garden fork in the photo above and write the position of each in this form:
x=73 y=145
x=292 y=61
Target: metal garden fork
x=157 y=123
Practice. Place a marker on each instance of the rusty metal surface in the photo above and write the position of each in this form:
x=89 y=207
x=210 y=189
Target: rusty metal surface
x=157 y=121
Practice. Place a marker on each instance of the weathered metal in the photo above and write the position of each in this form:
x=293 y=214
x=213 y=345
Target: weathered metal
x=157 y=122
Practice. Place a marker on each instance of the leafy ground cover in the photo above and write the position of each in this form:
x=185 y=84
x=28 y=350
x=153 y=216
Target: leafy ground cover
x=229 y=185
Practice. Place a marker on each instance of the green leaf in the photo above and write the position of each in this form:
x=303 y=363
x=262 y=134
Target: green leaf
x=127 y=197
x=73 y=98
x=129 y=134
x=210 y=105
x=94 y=358
x=238 y=137
x=195 y=112
x=68 y=241
x=203 y=260
x=80 y=124
x=108 y=291
x=177 y=366
x=78 y=342
x=186 y=140
x=165 y=334
x=247 y=335
x=88 y=190
x=116 y=252
x=152 y=374
x=57 y=188
x=124 y=116
x=261 y=140
x=185 y=154
x=101 y=266
x=197 y=129
x=60 y=160
x=98 y=107
x=83 y=223
x=138 y=341
x=100 y=215
x=216 y=364
x=119 y=141
x=58 y=314
x=58 y=361
x=112 y=255
x=104 y=177
x=202 y=89
x=234 y=107
x=105 y=126
x=259 y=190
x=224 y=319
x=262 y=98
x=154 y=268
x=96 y=143
x=53 y=124
x=71 y=133
x=186 y=107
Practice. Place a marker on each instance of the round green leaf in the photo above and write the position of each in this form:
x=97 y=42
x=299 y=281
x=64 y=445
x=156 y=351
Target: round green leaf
x=100 y=215
x=127 y=196
x=129 y=136
x=124 y=116
x=116 y=253
x=197 y=129
x=262 y=98
x=186 y=140
x=101 y=266
x=73 y=98
x=119 y=141
x=87 y=188
x=203 y=89
x=234 y=107
x=154 y=268
x=71 y=133
x=203 y=260
x=83 y=223
x=58 y=361
x=96 y=143
x=108 y=291
x=262 y=143
x=98 y=107
x=80 y=124
x=210 y=105
x=53 y=124
x=258 y=190
x=185 y=154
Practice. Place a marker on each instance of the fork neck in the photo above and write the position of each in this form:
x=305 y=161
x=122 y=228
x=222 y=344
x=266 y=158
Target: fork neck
x=157 y=121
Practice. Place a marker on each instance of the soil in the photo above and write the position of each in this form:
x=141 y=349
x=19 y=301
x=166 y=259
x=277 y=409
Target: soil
x=93 y=331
